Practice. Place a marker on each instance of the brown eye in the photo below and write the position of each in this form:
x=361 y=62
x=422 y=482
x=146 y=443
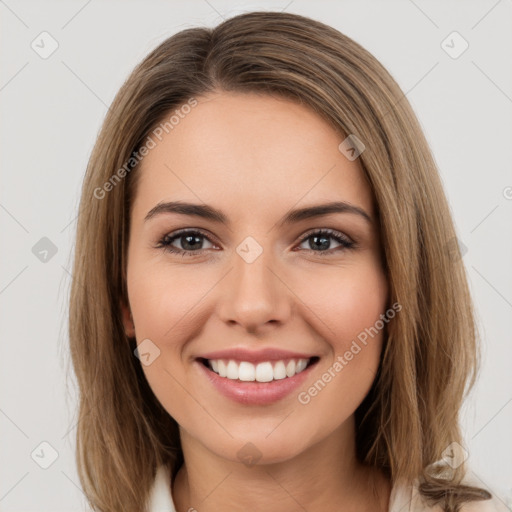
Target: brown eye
x=189 y=242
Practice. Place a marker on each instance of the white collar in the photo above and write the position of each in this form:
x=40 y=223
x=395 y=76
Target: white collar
x=160 y=497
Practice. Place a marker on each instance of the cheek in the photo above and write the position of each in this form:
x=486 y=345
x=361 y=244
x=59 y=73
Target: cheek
x=349 y=304
x=166 y=307
x=165 y=303
x=346 y=302
x=358 y=310
x=162 y=315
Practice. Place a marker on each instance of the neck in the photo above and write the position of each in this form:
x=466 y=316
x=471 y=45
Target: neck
x=326 y=476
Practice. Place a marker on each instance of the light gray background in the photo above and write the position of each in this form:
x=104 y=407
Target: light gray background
x=52 y=109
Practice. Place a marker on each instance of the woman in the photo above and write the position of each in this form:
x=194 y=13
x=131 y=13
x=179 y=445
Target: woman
x=268 y=311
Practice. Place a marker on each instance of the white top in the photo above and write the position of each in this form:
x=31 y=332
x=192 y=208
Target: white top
x=402 y=499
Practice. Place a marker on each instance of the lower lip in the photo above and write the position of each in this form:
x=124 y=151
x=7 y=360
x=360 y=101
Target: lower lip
x=255 y=393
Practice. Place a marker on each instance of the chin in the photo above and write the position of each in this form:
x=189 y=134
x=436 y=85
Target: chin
x=260 y=448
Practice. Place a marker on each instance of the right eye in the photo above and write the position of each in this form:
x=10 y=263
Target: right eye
x=190 y=240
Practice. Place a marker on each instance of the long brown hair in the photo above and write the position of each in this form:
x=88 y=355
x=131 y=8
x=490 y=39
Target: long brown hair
x=429 y=360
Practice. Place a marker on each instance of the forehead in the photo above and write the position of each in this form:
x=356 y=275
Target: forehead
x=250 y=152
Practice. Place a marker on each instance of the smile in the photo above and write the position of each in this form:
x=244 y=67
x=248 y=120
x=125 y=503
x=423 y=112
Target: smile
x=266 y=371
x=258 y=377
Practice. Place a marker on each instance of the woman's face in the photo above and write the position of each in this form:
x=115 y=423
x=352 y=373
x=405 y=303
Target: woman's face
x=254 y=284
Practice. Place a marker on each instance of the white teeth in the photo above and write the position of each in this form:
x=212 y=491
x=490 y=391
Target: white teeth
x=290 y=368
x=262 y=372
x=279 y=370
x=222 y=368
x=301 y=364
x=232 y=370
x=246 y=371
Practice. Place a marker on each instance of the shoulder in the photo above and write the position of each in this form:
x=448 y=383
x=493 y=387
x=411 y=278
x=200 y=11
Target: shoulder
x=407 y=498
x=160 y=498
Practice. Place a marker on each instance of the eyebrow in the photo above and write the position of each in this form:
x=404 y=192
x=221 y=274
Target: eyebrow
x=210 y=213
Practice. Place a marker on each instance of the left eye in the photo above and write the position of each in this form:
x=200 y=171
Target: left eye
x=320 y=240
x=192 y=242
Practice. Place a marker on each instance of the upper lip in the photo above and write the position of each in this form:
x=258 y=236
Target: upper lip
x=255 y=356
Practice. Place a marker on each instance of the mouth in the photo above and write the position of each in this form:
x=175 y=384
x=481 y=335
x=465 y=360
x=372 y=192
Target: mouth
x=258 y=382
x=265 y=371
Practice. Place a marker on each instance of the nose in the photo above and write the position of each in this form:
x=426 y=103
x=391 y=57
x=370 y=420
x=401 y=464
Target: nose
x=254 y=295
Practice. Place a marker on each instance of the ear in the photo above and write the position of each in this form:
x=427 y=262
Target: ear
x=128 y=324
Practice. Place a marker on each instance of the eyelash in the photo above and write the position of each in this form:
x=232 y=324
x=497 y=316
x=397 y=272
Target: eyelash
x=168 y=239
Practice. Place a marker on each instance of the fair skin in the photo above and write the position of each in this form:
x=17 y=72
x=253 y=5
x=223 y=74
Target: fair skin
x=256 y=158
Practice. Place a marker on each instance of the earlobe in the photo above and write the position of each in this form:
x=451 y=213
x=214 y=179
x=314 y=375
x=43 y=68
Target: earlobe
x=127 y=318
